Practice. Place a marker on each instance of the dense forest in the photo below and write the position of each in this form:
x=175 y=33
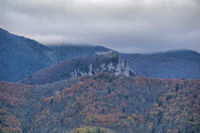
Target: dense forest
x=102 y=103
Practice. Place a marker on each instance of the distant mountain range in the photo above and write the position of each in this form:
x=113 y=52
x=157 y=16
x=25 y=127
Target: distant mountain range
x=171 y=64
x=20 y=57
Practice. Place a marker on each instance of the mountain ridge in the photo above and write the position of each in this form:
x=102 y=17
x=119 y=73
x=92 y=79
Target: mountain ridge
x=20 y=57
x=76 y=67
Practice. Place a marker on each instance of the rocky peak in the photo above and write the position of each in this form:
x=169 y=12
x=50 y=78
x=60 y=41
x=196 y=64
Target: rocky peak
x=109 y=62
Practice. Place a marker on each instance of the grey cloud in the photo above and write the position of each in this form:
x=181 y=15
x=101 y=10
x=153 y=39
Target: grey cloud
x=124 y=25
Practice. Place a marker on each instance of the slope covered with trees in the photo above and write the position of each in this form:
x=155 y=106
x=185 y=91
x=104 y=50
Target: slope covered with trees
x=118 y=103
x=13 y=102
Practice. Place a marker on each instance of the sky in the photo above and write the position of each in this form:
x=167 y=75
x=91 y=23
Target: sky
x=131 y=26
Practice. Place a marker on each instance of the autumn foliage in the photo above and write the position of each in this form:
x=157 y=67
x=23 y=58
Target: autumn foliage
x=117 y=103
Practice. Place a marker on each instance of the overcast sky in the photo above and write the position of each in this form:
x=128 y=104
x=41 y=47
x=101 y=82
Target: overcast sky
x=132 y=26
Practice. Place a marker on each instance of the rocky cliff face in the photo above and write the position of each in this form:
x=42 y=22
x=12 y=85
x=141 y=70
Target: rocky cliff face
x=109 y=62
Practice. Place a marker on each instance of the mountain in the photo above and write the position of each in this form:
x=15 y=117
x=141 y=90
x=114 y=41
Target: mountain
x=171 y=64
x=101 y=102
x=20 y=56
x=109 y=62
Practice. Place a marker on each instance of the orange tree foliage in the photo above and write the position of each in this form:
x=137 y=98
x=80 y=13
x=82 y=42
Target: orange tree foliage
x=9 y=123
x=127 y=104
x=120 y=103
x=12 y=93
x=178 y=109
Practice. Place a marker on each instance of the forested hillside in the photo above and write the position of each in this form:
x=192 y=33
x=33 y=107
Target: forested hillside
x=118 y=103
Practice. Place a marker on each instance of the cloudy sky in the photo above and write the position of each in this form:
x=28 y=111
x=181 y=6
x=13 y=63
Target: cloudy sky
x=123 y=25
